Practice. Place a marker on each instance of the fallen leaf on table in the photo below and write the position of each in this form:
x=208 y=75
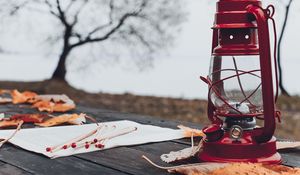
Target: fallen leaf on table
x=74 y=119
x=53 y=103
x=190 y=169
x=189 y=132
x=184 y=153
x=26 y=96
x=54 y=98
x=287 y=144
x=211 y=168
x=49 y=106
x=5 y=100
x=29 y=118
x=9 y=123
x=5 y=91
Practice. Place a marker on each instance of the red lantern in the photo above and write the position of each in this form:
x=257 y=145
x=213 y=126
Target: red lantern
x=241 y=85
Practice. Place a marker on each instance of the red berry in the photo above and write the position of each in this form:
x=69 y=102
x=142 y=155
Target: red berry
x=48 y=149
x=95 y=140
x=87 y=146
x=100 y=145
x=65 y=147
x=73 y=145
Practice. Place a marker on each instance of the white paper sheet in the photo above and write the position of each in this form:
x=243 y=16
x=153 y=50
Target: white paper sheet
x=38 y=139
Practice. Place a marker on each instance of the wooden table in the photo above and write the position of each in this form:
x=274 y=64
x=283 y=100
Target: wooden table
x=117 y=161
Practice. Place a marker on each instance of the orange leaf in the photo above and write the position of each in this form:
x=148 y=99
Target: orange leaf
x=29 y=118
x=9 y=123
x=26 y=96
x=65 y=118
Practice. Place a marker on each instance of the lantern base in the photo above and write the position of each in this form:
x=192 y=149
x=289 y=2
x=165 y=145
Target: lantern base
x=244 y=150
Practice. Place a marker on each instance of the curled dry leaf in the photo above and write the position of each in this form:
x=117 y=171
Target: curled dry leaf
x=189 y=132
x=53 y=103
x=65 y=118
x=187 y=152
x=183 y=154
x=29 y=118
x=49 y=106
x=24 y=97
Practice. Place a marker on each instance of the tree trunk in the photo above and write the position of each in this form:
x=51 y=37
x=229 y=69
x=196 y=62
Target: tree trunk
x=286 y=15
x=60 y=71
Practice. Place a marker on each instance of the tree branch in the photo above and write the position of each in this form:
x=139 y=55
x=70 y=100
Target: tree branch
x=108 y=34
x=78 y=12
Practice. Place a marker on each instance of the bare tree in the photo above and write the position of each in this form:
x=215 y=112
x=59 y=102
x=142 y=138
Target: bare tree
x=148 y=24
x=285 y=19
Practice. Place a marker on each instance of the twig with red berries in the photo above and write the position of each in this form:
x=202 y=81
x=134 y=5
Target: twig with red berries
x=101 y=135
x=71 y=143
x=99 y=141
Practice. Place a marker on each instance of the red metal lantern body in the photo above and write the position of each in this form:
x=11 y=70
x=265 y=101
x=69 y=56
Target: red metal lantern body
x=238 y=95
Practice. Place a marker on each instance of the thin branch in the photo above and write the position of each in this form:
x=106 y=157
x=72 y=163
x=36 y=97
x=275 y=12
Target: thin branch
x=61 y=14
x=18 y=7
x=99 y=28
x=141 y=38
x=78 y=12
x=50 y=6
x=107 y=35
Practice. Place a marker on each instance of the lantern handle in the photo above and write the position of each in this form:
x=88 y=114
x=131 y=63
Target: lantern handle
x=262 y=16
x=270 y=11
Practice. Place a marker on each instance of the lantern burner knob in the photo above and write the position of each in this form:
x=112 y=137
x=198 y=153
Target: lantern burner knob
x=236 y=132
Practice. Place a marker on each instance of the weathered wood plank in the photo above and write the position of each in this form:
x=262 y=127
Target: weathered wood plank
x=38 y=164
x=7 y=169
x=291 y=157
x=125 y=159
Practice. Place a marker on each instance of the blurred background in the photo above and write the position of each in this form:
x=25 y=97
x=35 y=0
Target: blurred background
x=138 y=56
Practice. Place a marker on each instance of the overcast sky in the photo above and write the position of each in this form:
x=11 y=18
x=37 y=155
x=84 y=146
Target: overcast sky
x=175 y=74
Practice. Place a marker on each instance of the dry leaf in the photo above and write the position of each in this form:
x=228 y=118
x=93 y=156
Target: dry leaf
x=65 y=118
x=63 y=99
x=29 y=118
x=189 y=132
x=254 y=169
x=287 y=144
x=5 y=91
x=190 y=169
x=9 y=123
x=184 y=153
x=26 y=96
x=53 y=103
x=211 y=168
x=5 y=100
x=49 y=106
